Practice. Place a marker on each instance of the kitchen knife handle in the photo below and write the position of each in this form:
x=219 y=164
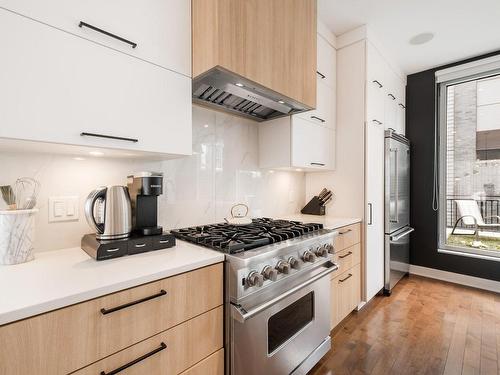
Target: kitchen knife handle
x=113 y=309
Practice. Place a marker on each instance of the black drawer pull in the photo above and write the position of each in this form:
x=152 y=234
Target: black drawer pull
x=320 y=74
x=402 y=105
x=109 y=311
x=81 y=24
x=108 y=137
x=377 y=122
x=345 y=231
x=345 y=256
x=318 y=118
x=320 y=164
x=378 y=83
x=137 y=360
x=391 y=96
x=348 y=277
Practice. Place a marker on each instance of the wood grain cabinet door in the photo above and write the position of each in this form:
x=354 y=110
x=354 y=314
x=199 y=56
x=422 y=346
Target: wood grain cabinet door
x=345 y=293
x=65 y=340
x=170 y=352
x=272 y=43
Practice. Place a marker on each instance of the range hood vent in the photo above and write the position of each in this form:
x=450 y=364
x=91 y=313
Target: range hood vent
x=229 y=92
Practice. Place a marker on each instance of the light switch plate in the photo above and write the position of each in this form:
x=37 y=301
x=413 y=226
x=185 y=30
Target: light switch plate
x=63 y=208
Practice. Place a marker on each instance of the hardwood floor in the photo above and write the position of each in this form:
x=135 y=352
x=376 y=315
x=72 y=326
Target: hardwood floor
x=425 y=327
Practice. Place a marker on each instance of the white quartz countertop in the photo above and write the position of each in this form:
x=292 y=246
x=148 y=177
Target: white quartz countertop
x=329 y=222
x=60 y=278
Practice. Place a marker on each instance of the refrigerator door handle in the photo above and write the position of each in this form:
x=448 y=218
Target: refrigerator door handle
x=401 y=235
x=396 y=198
x=370 y=215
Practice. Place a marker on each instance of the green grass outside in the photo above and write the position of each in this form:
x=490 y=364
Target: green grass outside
x=490 y=243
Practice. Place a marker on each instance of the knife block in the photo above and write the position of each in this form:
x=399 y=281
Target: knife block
x=314 y=207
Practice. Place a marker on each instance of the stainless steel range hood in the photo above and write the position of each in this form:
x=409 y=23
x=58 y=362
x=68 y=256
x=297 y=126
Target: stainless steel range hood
x=227 y=91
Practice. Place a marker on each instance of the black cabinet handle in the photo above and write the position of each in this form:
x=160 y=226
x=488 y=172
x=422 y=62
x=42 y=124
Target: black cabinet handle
x=320 y=164
x=391 y=96
x=378 y=83
x=377 y=122
x=402 y=105
x=135 y=361
x=82 y=24
x=348 y=277
x=320 y=74
x=345 y=256
x=346 y=231
x=109 y=311
x=108 y=137
x=318 y=118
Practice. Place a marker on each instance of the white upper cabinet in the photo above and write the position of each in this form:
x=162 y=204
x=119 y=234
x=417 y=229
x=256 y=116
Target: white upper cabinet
x=312 y=146
x=55 y=86
x=160 y=29
x=325 y=62
x=324 y=114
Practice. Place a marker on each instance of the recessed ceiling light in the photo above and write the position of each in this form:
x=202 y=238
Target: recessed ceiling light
x=299 y=170
x=271 y=171
x=421 y=38
x=240 y=84
x=78 y=158
x=281 y=102
x=205 y=126
x=96 y=153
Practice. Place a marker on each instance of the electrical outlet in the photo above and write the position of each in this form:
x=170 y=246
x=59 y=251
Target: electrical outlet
x=63 y=209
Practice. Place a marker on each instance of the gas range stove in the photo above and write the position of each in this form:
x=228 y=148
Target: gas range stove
x=277 y=292
x=232 y=239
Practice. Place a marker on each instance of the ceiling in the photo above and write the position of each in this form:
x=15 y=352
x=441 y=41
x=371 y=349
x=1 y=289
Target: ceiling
x=462 y=28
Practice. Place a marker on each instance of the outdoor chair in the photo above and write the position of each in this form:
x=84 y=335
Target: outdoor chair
x=470 y=214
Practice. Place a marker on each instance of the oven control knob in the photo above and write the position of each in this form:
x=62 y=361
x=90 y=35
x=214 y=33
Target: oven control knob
x=308 y=256
x=255 y=279
x=329 y=248
x=294 y=263
x=321 y=252
x=269 y=273
x=283 y=267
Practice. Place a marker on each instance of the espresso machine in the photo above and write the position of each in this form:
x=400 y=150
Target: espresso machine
x=144 y=189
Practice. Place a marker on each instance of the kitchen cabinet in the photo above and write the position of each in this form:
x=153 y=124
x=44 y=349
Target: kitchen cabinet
x=374 y=185
x=365 y=78
x=56 y=86
x=272 y=43
x=169 y=352
x=346 y=281
x=305 y=141
x=156 y=31
x=295 y=143
x=212 y=365
x=183 y=311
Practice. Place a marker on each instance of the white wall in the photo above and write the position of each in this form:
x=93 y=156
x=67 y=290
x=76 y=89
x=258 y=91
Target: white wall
x=199 y=189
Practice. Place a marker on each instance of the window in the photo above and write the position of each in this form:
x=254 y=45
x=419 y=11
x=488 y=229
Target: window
x=469 y=152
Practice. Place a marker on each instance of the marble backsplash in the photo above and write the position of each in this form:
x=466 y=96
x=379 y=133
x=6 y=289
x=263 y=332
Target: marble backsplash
x=199 y=189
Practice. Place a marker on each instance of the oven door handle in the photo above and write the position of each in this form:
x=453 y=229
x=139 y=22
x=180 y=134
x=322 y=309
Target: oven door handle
x=241 y=315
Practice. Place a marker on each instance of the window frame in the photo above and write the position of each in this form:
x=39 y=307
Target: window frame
x=441 y=134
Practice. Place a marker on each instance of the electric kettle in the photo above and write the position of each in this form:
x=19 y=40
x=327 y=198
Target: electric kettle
x=109 y=213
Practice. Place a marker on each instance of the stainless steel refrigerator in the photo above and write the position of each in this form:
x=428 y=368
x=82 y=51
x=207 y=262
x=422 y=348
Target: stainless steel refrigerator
x=397 y=209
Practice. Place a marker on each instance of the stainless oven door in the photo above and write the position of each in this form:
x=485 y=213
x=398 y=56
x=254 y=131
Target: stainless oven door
x=283 y=337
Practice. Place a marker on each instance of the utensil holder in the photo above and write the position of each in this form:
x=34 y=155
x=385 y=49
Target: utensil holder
x=17 y=233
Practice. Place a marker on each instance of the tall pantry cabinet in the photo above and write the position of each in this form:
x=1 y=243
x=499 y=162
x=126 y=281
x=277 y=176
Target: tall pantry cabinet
x=370 y=99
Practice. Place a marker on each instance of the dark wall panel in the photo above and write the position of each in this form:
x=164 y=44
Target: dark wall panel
x=420 y=118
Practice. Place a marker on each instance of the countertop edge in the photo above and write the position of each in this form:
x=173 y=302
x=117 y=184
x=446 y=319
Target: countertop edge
x=66 y=301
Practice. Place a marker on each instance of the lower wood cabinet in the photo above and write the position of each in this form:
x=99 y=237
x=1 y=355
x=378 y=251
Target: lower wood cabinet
x=346 y=294
x=212 y=365
x=182 y=311
x=170 y=352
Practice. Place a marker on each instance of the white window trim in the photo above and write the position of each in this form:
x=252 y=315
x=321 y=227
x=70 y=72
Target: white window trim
x=468 y=69
x=444 y=78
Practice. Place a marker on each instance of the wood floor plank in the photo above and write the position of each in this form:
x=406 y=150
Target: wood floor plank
x=426 y=327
